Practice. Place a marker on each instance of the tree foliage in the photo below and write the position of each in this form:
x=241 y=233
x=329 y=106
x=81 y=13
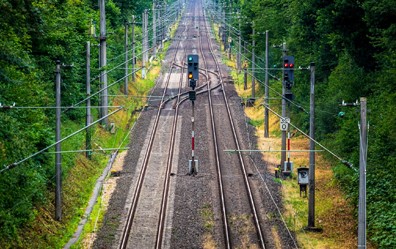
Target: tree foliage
x=34 y=34
x=353 y=46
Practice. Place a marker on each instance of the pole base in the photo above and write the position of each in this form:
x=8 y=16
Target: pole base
x=313 y=229
x=192 y=169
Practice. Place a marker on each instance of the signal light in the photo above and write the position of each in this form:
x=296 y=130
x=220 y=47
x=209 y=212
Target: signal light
x=288 y=71
x=288 y=65
x=192 y=67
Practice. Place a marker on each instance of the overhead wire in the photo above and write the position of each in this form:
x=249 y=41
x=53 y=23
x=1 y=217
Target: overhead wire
x=348 y=164
x=13 y=165
x=236 y=32
x=269 y=192
x=316 y=142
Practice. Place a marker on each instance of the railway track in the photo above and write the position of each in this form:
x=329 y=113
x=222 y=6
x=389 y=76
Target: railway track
x=146 y=219
x=231 y=237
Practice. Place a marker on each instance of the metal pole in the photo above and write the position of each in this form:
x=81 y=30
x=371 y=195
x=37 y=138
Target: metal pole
x=266 y=88
x=362 y=174
x=162 y=23
x=88 y=116
x=58 y=159
x=239 y=43
x=229 y=41
x=103 y=60
x=154 y=29
x=133 y=48
x=193 y=141
x=126 y=59
x=245 y=48
x=283 y=146
x=162 y=13
x=224 y=28
x=146 y=35
x=100 y=87
x=144 y=45
x=311 y=201
x=244 y=79
x=253 y=63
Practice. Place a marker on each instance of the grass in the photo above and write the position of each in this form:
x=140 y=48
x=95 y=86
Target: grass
x=244 y=226
x=208 y=219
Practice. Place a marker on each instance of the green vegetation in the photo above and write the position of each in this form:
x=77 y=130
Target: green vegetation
x=352 y=43
x=34 y=35
x=353 y=46
x=208 y=218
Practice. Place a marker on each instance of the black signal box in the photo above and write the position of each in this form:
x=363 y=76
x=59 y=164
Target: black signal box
x=192 y=95
x=288 y=67
x=192 y=67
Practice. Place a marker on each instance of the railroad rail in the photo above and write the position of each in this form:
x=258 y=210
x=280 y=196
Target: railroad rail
x=219 y=163
x=126 y=233
x=172 y=104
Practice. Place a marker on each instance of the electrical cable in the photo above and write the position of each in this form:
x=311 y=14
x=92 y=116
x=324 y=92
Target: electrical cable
x=13 y=165
x=101 y=90
x=346 y=163
x=53 y=107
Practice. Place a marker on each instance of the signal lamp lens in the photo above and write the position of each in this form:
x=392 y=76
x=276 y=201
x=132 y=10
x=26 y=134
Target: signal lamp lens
x=190 y=76
x=189 y=58
x=291 y=65
x=286 y=65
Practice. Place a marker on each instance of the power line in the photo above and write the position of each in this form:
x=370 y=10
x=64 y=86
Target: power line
x=101 y=90
x=53 y=107
x=77 y=151
x=345 y=162
x=13 y=165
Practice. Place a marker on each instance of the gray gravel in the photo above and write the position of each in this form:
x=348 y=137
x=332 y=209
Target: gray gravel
x=195 y=200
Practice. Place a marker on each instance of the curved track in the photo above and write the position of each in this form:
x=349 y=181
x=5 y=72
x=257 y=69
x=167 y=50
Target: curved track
x=147 y=212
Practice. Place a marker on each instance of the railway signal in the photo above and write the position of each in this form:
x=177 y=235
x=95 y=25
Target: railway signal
x=288 y=75
x=192 y=67
x=192 y=95
x=288 y=66
x=192 y=75
x=193 y=83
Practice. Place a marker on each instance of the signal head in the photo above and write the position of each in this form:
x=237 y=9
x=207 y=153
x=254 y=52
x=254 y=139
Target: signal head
x=286 y=63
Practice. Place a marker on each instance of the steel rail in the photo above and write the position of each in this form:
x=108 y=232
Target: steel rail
x=226 y=230
x=132 y=210
x=165 y=193
x=243 y=167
